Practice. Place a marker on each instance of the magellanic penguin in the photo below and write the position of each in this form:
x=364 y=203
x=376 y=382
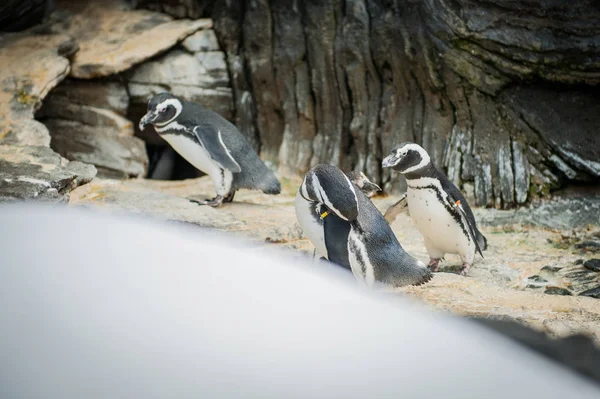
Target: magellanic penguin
x=347 y=229
x=437 y=207
x=212 y=144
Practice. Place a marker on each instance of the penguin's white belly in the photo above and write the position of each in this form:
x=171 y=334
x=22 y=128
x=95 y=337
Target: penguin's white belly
x=194 y=153
x=313 y=230
x=435 y=222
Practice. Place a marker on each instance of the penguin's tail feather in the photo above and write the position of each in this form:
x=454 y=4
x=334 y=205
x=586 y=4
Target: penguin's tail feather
x=426 y=276
x=482 y=241
x=270 y=184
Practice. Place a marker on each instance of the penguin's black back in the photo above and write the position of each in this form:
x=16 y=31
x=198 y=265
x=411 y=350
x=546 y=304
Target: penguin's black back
x=391 y=264
x=255 y=174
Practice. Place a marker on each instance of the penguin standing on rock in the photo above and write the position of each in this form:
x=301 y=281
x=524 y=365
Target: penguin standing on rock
x=437 y=207
x=212 y=144
x=347 y=229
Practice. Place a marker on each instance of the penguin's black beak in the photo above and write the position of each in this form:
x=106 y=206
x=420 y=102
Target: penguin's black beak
x=368 y=187
x=147 y=119
x=390 y=160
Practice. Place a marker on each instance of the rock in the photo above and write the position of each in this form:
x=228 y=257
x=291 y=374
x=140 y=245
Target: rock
x=559 y=213
x=592 y=292
x=111 y=95
x=201 y=41
x=113 y=38
x=592 y=264
x=342 y=82
x=32 y=64
x=557 y=291
x=97 y=133
x=573 y=278
x=495 y=287
x=200 y=77
x=113 y=154
x=40 y=174
x=177 y=8
x=139 y=197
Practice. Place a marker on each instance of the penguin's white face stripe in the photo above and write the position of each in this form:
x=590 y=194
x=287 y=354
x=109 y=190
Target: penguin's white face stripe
x=320 y=193
x=227 y=150
x=170 y=126
x=425 y=159
x=163 y=105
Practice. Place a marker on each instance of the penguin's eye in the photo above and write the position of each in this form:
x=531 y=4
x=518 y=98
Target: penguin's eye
x=161 y=110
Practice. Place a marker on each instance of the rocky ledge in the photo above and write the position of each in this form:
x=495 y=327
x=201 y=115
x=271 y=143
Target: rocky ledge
x=38 y=173
x=498 y=286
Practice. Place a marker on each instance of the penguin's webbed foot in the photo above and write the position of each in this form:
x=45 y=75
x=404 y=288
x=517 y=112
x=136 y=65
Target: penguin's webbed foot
x=229 y=197
x=464 y=269
x=433 y=264
x=215 y=202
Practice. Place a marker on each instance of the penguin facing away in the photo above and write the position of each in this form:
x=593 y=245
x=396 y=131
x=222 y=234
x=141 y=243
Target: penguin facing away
x=212 y=144
x=347 y=229
x=437 y=207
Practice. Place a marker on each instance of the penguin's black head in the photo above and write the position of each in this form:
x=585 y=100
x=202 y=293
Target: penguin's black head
x=162 y=109
x=365 y=185
x=407 y=157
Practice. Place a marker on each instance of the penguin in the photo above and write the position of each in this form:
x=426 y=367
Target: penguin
x=363 y=182
x=212 y=144
x=348 y=230
x=438 y=209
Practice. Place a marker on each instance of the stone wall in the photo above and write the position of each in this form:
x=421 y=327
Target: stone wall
x=503 y=94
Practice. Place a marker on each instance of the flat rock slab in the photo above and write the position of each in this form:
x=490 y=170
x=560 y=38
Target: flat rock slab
x=38 y=173
x=112 y=37
x=494 y=288
x=136 y=197
x=560 y=316
x=32 y=64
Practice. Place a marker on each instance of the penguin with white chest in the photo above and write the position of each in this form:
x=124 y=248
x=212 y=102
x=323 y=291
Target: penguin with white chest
x=347 y=229
x=438 y=209
x=210 y=143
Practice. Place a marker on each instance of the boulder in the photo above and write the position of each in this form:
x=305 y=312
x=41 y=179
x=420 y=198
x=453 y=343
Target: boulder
x=32 y=64
x=40 y=174
x=110 y=95
x=86 y=122
x=201 y=77
x=142 y=197
x=112 y=37
x=115 y=155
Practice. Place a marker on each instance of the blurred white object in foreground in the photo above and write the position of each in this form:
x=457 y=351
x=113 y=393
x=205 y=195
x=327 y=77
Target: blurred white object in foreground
x=94 y=306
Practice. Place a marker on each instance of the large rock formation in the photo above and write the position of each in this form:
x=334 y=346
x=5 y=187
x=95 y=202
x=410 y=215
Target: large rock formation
x=32 y=65
x=40 y=174
x=502 y=93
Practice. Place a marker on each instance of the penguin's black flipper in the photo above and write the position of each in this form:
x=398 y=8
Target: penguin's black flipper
x=457 y=206
x=460 y=205
x=211 y=139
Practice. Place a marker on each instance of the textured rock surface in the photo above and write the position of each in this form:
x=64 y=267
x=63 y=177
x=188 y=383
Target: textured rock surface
x=496 y=286
x=143 y=197
x=86 y=122
x=489 y=88
x=112 y=38
x=200 y=77
x=38 y=173
x=32 y=64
